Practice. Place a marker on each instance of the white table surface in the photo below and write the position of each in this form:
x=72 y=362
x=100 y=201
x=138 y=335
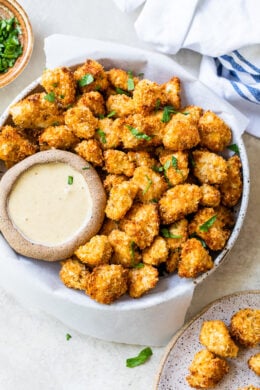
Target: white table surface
x=34 y=352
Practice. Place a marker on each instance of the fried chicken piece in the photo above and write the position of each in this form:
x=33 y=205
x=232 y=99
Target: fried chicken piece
x=231 y=188
x=206 y=370
x=193 y=112
x=95 y=252
x=61 y=84
x=107 y=282
x=172 y=92
x=142 y=280
x=146 y=95
x=215 y=134
x=177 y=163
x=173 y=261
x=141 y=224
x=178 y=202
x=123 y=105
x=142 y=158
x=94 y=69
x=118 y=78
x=81 y=120
x=151 y=185
x=94 y=101
x=214 y=335
x=210 y=196
x=133 y=131
x=195 y=259
x=112 y=180
x=225 y=216
x=74 y=274
x=120 y=200
x=125 y=250
x=176 y=234
x=254 y=363
x=117 y=162
x=209 y=167
x=91 y=151
x=245 y=327
x=36 y=111
x=154 y=128
x=58 y=137
x=157 y=253
x=108 y=226
x=107 y=134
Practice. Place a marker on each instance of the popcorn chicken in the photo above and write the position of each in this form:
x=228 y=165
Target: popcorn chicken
x=74 y=274
x=58 y=137
x=176 y=234
x=157 y=253
x=155 y=129
x=107 y=134
x=94 y=101
x=214 y=335
x=118 y=163
x=245 y=327
x=95 y=252
x=123 y=105
x=141 y=224
x=94 y=69
x=215 y=134
x=193 y=113
x=141 y=158
x=36 y=111
x=81 y=121
x=172 y=91
x=119 y=78
x=178 y=202
x=231 y=188
x=91 y=151
x=206 y=370
x=209 y=168
x=146 y=95
x=60 y=82
x=195 y=259
x=225 y=216
x=112 y=180
x=210 y=196
x=133 y=131
x=142 y=280
x=125 y=250
x=107 y=282
x=108 y=226
x=151 y=185
x=254 y=363
x=120 y=200
x=173 y=261
x=177 y=163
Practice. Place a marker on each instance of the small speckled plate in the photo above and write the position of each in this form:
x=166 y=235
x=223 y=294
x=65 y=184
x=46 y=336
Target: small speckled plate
x=183 y=346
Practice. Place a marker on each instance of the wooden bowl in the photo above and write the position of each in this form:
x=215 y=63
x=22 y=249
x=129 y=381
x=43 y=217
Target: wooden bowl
x=9 y=9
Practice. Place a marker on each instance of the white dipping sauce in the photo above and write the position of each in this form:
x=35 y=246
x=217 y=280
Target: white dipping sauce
x=50 y=203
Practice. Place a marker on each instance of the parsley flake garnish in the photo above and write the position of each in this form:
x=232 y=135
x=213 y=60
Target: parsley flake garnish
x=70 y=180
x=139 y=265
x=150 y=182
x=141 y=358
x=68 y=336
x=50 y=97
x=130 y=81
x=102 y=136
x=207 y=225
x=111 y=114
x=121 y=91
x=86 y=80
x=10 y=46
x=132 y=252
x=168 y=111
x=234 y=148
x=86 y=167
x=167 y=234
x=136 y=133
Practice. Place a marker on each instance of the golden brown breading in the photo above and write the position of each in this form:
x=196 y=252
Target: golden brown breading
x=95 y=252
x=209 y=167
x=35 y=111
x=91 y=151
x=94 y=101
x=81 y=121
x=95 y=69
x=214 y=335
x=108 y=226
x=74 y=274
x=250 y=387
x=142 y=158
x=206 y=370
x=176 y=234
x=107 y=134
x=146 y=95
x=177 y=163
x=118 y=78
x=125 y=250
x=157 y=253
x=112 y=180
x=141 y=224
x=231 y=188
x=210 y=196
x=107 y=282
x=120 y=200
x=14 y=147
x=245 y=327
x=181 y=133
x=193 y=112
x=173 y=261
x=151 y=185
x=215 y=235
x=61 y=83
x=117 y=162
x=154 y=128
x=123 y=105
x=254 y=363
x=215 y=134
x=178 y=202
x=225 y=216
x=195 y=259
x=172 y=91
x=142 y=280
x=133 y=131
x=58 y=137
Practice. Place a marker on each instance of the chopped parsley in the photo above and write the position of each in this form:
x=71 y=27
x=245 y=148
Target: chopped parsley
x=157 y=104
x=136 y=133
x=167 y=113
x=70 y=180
x=132 y=252
x=139 y=265
x=68 y=336
x=121 y=91
x=234 y=148
x=130 y=81
x=10 y=46
x=86 y=167
x=102 y=136
x=111 y=114
x=207 y=225
x=50 y=97
x=150 y=182
x=203 y=243
x=141 y=358
x=86 y=80
x=167 y=234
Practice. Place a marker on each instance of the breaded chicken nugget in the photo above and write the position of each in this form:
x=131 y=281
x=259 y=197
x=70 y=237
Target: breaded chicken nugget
x=142 y=280
x=122 y=105
x=215 y=134
x=108 y=226
x=146 y=96
x=120 y=200
x=133 y=131
x=151 y=185
x=214 y=335
x=119 y=78
x=125 y=250
x=91 y=76
x=155 y=129
x=58 y=137
x=254 y=363
x=173 y=261
x=74 y=274
x=157 y=253
x=231 y=188
x=172 y=91
x=193 y=112
x=175 y=166
x=178 y=202
x=209 y=168
x=141 y=224
x=81 y=121
x=107 y=282
x=117 y=162
x=245 y=327
x=142 y=158
x=206 y=370
x=94 y=101
x=95 y=252
x=210 y=196
x=195 y=259
x=61 y=84
x=107 y=134
x=225 y=216
x=36 y=111
x=112 y=180
x=91 y=151
x=175 y=234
